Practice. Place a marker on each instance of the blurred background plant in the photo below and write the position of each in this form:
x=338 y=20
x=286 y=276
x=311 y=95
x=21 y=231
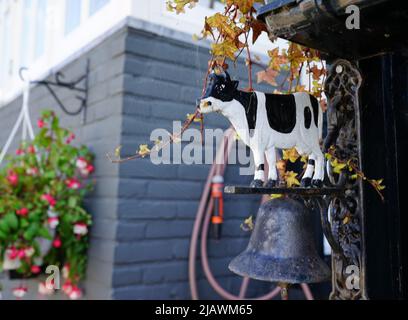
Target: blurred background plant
x=42 y=219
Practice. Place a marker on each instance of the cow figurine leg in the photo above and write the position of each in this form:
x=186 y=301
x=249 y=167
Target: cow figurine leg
x=259 y=175
x=272 y=174
x=307 y=177
x=319 y=168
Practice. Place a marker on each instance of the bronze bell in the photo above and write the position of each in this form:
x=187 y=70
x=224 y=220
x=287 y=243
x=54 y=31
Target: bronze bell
x=281 y=248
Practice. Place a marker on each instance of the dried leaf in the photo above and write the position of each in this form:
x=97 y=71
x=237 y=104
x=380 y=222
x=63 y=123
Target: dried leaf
x=291 y=179
x=179 y=5
x=117 y=151
x=317 y=72
x=268 y=76
x=190 y=117
x=378 y=184
x=244 y=6
x=346 y=220
x=338 y=166
x=257 y=28
x=248 y=224
x=224 y=49
x=291 y=154
x=144 y=150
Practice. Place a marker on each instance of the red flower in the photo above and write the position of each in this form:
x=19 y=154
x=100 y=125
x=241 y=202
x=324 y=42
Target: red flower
x=21 y=254
x=40 y=123
x=31 y=149
x=35 y=269
x=57 y=243
x=12 y=178
x=22 y=212
x=75 y=293
x=81 y=163
x=13 y=253
x=65 y=271
x=53 y=222
x=80 y=229
x=50 y=199
x=73 y=184
x=19 y=152
x=20 y=292
x=70 y=138
x=67 y=287
x=32 y=171
x=90 y=168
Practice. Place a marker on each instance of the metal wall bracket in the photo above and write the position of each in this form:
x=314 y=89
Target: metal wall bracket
x=80 y=86
x=346 y=215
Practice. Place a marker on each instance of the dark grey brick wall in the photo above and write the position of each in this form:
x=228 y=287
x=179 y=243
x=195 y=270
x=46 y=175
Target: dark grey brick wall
x=143 y=214
x=157 y=204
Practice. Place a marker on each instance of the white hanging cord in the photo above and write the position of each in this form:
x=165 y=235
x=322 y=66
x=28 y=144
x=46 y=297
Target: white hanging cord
x=23 y=119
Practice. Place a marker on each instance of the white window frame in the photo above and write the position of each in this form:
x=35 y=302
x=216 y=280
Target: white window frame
x=61 y=48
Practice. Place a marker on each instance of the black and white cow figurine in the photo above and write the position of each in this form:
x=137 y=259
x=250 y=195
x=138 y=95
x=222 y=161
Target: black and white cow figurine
x=265 y=122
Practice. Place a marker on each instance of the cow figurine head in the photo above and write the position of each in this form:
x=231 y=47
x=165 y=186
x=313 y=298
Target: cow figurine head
x=220 y=90
x=266 y=122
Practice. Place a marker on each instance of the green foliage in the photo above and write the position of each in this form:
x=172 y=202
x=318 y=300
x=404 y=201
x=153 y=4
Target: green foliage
x=42 y=189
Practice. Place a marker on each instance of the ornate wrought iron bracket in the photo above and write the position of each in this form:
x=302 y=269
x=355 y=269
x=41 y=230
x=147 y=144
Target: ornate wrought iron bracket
x=79 y=85
x=346 y=215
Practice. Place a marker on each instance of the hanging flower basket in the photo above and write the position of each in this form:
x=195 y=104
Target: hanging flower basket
x=42 y=219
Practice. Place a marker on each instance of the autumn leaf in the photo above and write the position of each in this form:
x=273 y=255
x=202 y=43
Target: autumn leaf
x=248 y=224
x=378 y=184
x=244 y=5
x=337 y=166
x=296 y=56
x=117 y=151
x=190 y=117
x=317 y=72
x=144 y=150
x=224 y=25
x=179 y=5
x=291 y=179
x=277 y=59
x=176 y=139
x=257 y=28
x=207 y=29
x=281 y=167
x=226 y=49
x=268 y=76
x=300 y=88
x=291 y=154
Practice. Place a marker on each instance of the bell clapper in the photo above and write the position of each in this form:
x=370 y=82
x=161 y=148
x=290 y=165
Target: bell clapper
x=284 y=290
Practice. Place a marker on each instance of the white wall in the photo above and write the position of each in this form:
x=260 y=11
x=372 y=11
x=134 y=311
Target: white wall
x=60 y=47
